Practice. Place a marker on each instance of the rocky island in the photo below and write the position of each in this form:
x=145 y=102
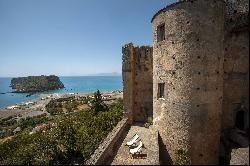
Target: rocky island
x=33 y=84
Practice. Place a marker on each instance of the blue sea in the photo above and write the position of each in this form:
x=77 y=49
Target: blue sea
x=83 y=84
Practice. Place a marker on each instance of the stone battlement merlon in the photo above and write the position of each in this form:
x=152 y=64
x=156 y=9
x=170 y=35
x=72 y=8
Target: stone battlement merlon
x=137 y=46
x=129 y=49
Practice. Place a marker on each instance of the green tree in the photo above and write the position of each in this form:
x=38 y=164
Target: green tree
x=97 y=103
x=74 y=135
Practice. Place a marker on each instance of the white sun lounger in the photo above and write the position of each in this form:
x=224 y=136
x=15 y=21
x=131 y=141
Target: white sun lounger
x=131 y=142
x=137 y=149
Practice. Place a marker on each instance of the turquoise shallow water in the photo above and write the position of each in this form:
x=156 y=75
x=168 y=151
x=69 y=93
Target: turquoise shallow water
x=84 y=84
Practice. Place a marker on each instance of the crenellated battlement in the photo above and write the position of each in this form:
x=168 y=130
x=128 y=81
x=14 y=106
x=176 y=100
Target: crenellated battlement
x=137 y=70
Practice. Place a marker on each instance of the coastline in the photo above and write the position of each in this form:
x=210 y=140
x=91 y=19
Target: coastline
x=36 y=106
x=73 y=84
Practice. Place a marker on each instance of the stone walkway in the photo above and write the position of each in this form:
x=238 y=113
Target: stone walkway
x=149 y=155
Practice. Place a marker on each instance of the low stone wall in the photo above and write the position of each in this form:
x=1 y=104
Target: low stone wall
x=105 y=149
x=240 y=156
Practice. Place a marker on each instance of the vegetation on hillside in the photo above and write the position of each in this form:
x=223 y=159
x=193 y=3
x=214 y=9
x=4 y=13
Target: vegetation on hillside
x=32 y=84
x=8 y=125
x=65 y=105
x=73 y=135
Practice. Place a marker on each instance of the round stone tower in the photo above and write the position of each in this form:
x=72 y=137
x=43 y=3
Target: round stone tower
x=188 y=80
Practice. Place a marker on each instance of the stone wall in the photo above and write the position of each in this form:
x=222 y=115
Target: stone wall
x=138 y=82
x=203 y=64
x=107 y=147
x=236 y=63
x=240 y=156
x=190 y=63
x=237 y=15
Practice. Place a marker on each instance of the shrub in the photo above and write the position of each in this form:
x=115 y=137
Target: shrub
x=149 y=122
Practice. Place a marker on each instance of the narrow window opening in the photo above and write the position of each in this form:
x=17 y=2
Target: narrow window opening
x=161 y=32
x=161 y=90
x=239 y=120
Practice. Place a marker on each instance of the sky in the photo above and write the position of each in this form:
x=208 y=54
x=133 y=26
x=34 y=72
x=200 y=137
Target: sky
x=71 y=37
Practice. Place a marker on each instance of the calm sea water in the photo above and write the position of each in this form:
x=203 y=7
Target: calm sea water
x=83 y=84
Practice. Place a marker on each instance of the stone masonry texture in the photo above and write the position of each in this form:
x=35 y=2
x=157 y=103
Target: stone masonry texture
x=236 y=62
x=138 y=79
x=203 y=64
x=189 y=62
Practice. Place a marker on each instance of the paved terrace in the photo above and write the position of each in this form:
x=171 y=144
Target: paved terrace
x=149 y=155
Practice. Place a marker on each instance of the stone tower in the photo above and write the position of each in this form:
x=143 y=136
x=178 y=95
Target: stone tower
x=188 y=80
x=137 y=72
x=236 y=65
x=195 y=79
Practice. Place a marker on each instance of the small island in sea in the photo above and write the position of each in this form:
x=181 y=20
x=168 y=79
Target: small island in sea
x=33 y=84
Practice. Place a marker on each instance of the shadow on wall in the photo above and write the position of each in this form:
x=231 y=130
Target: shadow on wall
x=235 y=137
x=164 y=155
x=115 y=149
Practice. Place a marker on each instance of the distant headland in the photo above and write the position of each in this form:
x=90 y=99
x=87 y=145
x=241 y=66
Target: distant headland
x=33 y=84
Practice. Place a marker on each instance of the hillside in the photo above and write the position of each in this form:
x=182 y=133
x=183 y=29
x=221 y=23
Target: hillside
x=68 y=133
